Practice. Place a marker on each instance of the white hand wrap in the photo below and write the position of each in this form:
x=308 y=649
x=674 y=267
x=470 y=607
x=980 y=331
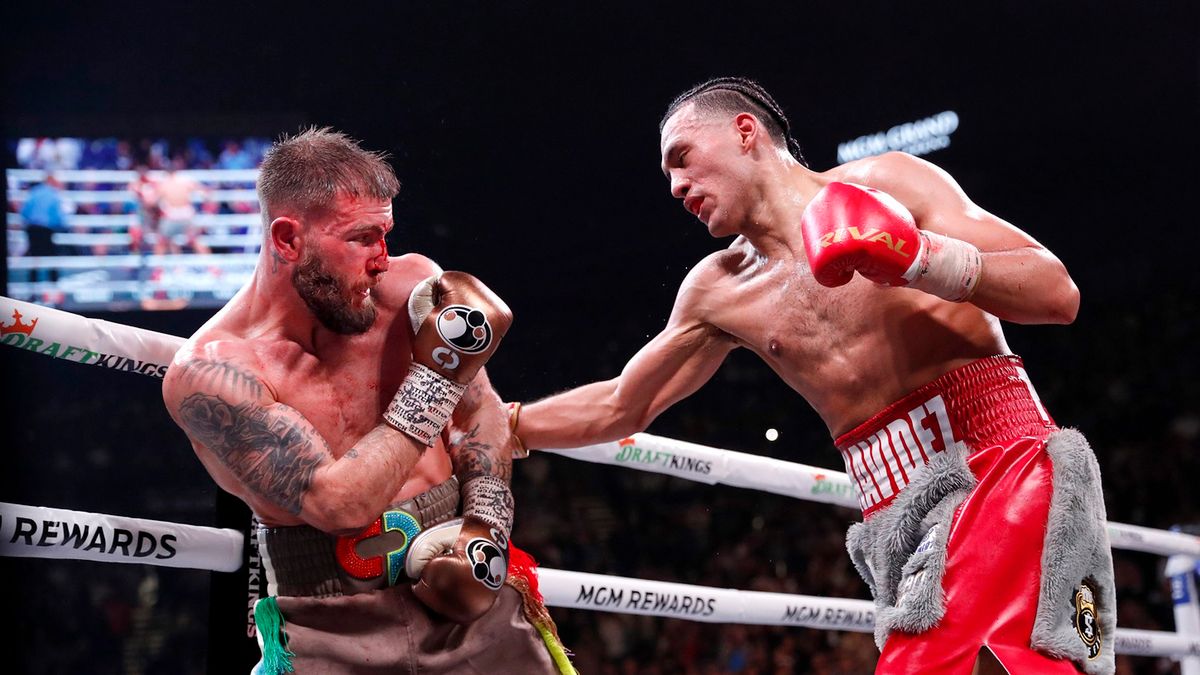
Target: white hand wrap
x=489 y=499
x=423 y=406
x=946 y=267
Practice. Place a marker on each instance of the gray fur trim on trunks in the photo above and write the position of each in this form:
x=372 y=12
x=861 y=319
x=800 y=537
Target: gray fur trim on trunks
x=901 y=550
x=1076 y=551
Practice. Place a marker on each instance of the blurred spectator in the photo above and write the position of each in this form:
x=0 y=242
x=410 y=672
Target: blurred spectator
x=49 y=154
x=234 y=157
x=145 y=197
x=44 y=215
x=199 y=156
x=99 y=153
x=124 y=156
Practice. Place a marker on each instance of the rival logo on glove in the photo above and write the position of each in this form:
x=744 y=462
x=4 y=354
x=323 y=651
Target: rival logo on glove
x=872 y=235
x=464 y=328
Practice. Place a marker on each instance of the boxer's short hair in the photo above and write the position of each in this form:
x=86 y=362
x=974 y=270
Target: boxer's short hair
x=302 y=175
x=733 y=95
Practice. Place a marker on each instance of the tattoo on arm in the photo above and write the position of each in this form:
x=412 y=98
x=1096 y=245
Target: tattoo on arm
x=472 y=457
x=201 y=374
x=272 y=455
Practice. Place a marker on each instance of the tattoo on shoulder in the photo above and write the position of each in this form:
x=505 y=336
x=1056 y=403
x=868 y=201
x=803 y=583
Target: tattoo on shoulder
x=202 y=373
x=472 y=457
x=272 y=455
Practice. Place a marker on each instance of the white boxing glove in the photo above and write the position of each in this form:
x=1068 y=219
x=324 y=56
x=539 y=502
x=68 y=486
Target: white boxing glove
x=429 y=544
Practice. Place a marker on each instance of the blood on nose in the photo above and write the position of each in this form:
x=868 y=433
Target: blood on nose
x=381 y=260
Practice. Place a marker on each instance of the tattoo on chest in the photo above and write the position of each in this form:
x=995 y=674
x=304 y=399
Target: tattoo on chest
x=273 y=456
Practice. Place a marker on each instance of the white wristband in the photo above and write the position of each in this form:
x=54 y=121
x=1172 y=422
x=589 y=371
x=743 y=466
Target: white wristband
x=946 y=267
x=489 y=499
x=423 y=406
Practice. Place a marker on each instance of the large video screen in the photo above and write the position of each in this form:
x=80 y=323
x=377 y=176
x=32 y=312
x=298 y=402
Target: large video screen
x=132 y=223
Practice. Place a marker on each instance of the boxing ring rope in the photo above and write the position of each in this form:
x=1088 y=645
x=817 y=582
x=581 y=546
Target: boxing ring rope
x=29 y=531
x=656 y=454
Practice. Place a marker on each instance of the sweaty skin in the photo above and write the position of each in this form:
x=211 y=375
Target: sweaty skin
x=286 y=414
x=849 y=351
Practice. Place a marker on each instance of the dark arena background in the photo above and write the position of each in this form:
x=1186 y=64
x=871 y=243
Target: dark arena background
x=525 y=136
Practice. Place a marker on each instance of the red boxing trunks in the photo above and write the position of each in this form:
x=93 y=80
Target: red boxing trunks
x=983 y=529
x=987 y=401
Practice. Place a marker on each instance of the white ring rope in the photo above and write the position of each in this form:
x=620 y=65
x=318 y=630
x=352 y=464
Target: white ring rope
x=705 y=464
x=93 y=342
x=30 y=531
x=40 y=532
x=27 y=531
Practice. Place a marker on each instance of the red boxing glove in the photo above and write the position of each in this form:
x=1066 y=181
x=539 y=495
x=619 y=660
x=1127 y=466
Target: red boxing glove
x=849 y=228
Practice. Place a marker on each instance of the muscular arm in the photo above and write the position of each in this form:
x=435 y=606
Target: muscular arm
x=1022 y=281
x=481 y=444
x=671 y=367
x=279 y=460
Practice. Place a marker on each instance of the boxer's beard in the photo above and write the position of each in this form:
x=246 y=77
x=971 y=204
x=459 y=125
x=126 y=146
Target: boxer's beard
x=328 y=300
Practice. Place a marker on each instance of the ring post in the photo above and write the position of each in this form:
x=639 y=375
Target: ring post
x=1182 y=569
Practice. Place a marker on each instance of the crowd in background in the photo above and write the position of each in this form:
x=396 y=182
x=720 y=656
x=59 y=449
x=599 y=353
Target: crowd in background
x=55 y=154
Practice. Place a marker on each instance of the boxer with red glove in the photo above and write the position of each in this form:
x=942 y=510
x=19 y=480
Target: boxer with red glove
x=457 y=324
x=851 y=228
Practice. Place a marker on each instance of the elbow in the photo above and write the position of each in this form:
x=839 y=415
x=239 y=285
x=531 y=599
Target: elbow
x=1057 y=295
x=1065 y=304
x=335 y=511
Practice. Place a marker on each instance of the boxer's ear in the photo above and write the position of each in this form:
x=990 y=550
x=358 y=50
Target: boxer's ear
x=748 y=129
x=285 y=241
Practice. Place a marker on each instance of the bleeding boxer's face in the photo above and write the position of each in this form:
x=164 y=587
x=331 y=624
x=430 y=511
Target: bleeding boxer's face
x=707 y=162
x=343 y=259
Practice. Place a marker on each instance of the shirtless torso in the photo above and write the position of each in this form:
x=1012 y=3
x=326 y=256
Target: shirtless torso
x=340 y=386
x=849 y=351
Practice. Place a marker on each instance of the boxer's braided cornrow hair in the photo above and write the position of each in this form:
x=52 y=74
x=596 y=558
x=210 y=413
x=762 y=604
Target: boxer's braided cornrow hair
x=731 y=93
